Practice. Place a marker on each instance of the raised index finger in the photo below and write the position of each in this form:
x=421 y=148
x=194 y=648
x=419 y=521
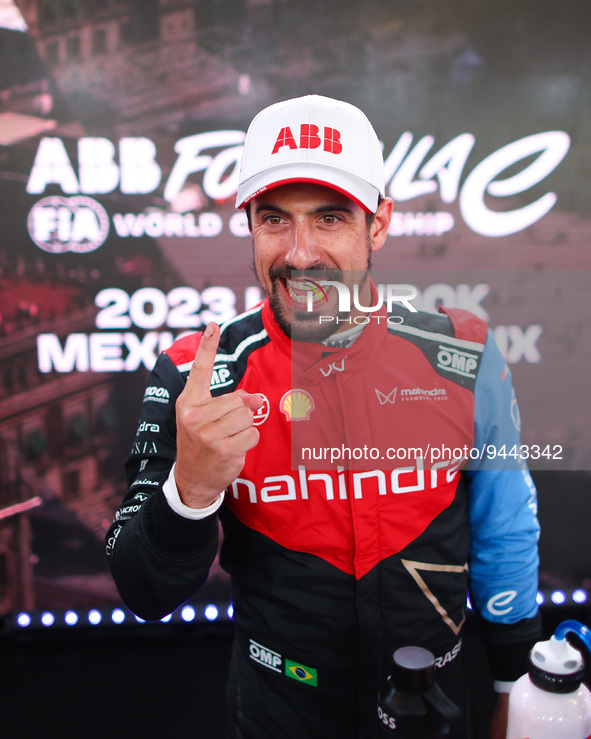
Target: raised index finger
x=199 y=380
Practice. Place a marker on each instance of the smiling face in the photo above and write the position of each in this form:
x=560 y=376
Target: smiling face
x=305 y=226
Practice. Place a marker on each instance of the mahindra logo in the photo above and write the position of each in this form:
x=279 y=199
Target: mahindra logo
x=333 y=367
x=389 y=398
x=310 y=139
x=340 y=486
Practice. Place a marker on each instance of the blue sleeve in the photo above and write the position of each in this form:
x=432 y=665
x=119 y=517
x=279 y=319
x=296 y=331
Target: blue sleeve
x=503 y=503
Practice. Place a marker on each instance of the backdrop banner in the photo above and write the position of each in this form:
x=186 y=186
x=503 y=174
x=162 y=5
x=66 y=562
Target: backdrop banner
x=121 y=131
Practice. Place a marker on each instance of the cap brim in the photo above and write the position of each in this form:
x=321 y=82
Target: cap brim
x=361 y=192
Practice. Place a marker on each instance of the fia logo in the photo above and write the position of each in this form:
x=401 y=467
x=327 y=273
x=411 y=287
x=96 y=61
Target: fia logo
x=58 y=225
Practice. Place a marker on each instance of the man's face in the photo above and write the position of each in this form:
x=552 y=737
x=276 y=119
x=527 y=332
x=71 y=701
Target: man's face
x=304 y=226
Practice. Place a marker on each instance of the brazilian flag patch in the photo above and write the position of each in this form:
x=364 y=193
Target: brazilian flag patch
x=301 y=673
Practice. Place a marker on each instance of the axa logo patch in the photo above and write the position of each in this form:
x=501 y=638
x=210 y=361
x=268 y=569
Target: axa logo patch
x=275 y=662
x=309 y=138
x=144 y=447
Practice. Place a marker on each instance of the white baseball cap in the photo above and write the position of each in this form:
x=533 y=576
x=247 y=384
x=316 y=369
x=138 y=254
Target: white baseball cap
x=313 y=139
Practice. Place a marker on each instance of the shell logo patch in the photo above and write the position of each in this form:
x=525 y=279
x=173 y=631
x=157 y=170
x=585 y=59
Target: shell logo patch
x=297 y=405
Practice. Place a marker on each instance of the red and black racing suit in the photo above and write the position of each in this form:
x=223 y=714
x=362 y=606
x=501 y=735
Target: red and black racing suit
x=335 y=566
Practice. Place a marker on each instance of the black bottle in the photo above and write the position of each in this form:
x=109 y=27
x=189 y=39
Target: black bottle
x=411 y=704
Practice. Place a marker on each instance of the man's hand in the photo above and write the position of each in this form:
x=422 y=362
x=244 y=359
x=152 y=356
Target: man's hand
x=498 y=724
x=213 y=434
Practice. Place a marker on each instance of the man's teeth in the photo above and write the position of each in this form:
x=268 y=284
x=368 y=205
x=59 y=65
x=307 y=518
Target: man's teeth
x=297 y=285
x=299 y=291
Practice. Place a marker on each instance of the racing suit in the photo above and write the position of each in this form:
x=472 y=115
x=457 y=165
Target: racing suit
x=336 y=562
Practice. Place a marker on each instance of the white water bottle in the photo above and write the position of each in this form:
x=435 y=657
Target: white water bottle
x=551 y=701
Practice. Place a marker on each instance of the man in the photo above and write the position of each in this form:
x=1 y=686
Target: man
x=333 y=565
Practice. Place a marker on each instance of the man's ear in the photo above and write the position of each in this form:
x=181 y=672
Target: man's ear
x=381 y=222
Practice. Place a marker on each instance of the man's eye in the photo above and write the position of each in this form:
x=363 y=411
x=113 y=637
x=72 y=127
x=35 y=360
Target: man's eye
x=329 y=218
x=273 y=220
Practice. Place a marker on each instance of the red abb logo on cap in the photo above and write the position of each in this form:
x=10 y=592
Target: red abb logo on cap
x=310 y=139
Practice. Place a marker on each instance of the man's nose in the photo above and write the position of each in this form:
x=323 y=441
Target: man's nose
x=302 y=250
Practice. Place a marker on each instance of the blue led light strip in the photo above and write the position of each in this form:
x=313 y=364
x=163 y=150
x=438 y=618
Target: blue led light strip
x=112 y=617
x=208 y=613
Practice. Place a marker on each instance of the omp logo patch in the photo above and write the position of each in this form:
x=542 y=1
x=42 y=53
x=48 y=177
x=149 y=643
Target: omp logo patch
x=265 y=657
x=274 y=661
x=462 y=363
x=220 y=377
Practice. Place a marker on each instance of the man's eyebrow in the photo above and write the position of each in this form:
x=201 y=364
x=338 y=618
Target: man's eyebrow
x=326 y=208
x=343 y=207
x=260 y=207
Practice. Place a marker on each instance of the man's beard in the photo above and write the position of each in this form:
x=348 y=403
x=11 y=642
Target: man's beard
x=304 y=325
